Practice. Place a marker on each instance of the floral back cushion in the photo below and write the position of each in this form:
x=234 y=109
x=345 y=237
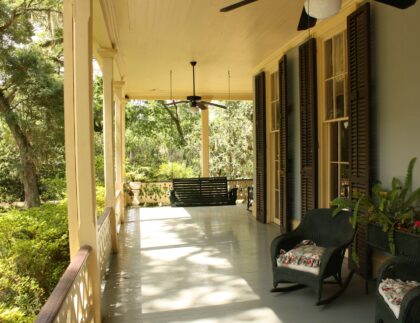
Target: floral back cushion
x=305 y=253
x=394 y=290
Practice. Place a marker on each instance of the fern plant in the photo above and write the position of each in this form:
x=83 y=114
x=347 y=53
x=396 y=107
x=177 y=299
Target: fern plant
x=391 y=209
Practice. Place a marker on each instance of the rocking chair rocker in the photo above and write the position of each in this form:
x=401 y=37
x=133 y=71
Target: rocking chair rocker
x=327 y=234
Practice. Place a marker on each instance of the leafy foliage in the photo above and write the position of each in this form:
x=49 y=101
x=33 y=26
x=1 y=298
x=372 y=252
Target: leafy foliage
x=392 y=209
x=152 y=139
x=31 y=91
x=231 y=140
x=174 y=170
x=33 y=255
x=164 y=144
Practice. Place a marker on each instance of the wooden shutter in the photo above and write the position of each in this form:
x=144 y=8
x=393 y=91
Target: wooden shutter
x=260 y=149
x=308 y=125
x=284 y=167
x=358 y=46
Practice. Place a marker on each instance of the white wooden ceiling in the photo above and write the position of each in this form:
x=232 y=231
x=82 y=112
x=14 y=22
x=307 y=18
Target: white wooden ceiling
x=155 y=36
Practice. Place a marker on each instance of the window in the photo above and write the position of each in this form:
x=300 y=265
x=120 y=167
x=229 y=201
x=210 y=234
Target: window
x=275 y=144
x=336 y=115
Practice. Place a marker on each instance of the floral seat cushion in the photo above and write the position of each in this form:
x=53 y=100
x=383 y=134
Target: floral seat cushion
x=393 y=292
x=305 y=256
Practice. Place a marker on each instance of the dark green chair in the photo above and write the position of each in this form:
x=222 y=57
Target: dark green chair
x=333 y=233
x=406 y=270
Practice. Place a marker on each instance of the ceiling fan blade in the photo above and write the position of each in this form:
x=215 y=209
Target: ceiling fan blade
x=401 y=4
x=201 y=105
x=236 y=5
x=175 y=102
x=214 y=104
x=305 y=21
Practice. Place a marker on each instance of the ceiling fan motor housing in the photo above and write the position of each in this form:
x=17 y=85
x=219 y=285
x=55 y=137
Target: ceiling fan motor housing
x=193 y=98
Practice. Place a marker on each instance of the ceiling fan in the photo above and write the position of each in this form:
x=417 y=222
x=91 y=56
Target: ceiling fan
x=195 y=100
x=321 y=9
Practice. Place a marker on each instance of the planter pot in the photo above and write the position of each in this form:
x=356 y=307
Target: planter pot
x=406 y=244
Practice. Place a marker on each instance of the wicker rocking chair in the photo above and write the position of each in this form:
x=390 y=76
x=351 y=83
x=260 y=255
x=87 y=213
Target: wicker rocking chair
x=408 y=311
x=333 y=235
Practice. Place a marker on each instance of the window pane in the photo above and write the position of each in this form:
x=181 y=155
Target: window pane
x=338 y=54
x=329 y=99
x=344 y=181
x=334 y=181
x=328 y=59
x=334 y=142
x=339 y=97
x=345 y=141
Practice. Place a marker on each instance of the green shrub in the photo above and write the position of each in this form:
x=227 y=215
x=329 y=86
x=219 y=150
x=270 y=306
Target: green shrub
x=14 y=315
x=174 y=170
x=100 y=200
x=53 y=189
x=34 y=253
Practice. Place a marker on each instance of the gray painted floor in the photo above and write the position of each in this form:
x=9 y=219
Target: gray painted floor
x=208 y=265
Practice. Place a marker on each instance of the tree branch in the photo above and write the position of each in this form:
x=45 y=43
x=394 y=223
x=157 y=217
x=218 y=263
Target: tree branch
x=175 y=119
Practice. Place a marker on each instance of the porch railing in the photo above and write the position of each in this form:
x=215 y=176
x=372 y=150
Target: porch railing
x=119 y=207
x=157 y=192
x=104 y=240
x=72 y=298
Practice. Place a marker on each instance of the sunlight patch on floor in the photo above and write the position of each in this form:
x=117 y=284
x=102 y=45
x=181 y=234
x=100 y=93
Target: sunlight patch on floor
x=179 y=272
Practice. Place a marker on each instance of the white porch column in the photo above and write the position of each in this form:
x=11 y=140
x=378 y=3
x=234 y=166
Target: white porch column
x=205 y=156
x=119 y=144
x=108 y=113
x=79 y=143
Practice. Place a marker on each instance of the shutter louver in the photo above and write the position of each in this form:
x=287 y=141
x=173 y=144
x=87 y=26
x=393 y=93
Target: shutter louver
x=308 y=125
x=284 y=168
x=260 y=149
x=358 y=29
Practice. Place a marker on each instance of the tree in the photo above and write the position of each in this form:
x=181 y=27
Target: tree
x=156 y=134
x=158 y=138
x=231 y=138
x=31 y=89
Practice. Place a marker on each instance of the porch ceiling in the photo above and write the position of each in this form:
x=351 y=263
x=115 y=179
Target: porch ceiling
x=155 y=36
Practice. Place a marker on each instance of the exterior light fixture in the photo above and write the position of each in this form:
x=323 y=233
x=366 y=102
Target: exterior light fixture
x=322 y=9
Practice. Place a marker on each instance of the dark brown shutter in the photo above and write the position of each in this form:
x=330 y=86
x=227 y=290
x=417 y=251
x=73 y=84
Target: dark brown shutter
x=358 y=30
x=308 y=125
x=260 y=149
x=284 y=167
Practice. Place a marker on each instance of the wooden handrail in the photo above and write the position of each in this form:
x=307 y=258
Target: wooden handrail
x=170 y=181
x=103 y=217
x=57 y=298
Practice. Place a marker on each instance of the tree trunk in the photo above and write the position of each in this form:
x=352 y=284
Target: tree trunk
x=29 y=172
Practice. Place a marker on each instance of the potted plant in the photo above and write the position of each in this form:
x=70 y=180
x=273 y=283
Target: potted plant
x=388 y=212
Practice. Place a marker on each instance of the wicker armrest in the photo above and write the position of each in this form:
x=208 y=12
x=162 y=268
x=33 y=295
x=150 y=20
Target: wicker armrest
x=400 y=268
x=410 y=306
x=286 y=242
x=331 y=259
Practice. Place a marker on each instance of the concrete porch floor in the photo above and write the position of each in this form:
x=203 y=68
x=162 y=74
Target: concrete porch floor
x=208 y=265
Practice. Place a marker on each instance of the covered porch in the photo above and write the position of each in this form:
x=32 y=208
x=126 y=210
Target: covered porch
x=212 y=264
x=209 y=264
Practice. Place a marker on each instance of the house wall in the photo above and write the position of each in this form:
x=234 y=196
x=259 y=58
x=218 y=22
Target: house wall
x=396 y=90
